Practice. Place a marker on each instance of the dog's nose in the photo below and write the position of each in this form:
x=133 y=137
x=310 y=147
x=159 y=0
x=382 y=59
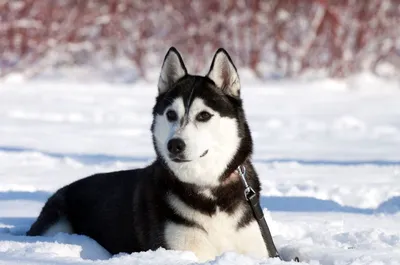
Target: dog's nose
x=176 y=146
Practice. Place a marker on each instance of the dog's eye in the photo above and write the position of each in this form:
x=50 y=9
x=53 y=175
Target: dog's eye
x=203 y=116
x=171 y=115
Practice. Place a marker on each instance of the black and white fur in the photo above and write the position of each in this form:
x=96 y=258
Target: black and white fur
x=189 y=198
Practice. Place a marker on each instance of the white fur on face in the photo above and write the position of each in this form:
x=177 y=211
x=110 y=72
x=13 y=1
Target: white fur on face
x=219 y=136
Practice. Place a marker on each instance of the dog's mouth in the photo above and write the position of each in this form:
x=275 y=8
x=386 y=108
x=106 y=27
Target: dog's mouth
x=182 y=160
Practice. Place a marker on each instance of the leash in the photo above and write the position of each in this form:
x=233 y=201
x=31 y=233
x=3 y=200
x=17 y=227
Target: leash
x=251 y=198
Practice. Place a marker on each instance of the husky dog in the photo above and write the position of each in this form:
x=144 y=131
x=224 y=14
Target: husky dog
x=191 y=197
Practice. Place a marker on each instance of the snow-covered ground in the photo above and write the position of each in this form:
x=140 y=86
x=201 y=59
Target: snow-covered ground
x=327 y=152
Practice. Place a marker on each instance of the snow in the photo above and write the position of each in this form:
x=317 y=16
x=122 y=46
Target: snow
x=327 y=153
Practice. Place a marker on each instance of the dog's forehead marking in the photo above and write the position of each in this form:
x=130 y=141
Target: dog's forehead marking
x=185 y=119
x=188 y=102
x=188 y=91
x=197 y=105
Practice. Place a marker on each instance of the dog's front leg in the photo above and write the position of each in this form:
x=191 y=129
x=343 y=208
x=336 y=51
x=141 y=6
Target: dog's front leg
x=181 y=237
x=250 y=241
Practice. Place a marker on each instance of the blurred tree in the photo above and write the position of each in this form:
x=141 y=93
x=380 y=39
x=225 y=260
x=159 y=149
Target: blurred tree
x=277 y=37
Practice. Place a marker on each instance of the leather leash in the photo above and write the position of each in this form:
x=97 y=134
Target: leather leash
x=251 y=198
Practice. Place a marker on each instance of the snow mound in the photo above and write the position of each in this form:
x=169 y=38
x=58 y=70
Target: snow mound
x=390 y=206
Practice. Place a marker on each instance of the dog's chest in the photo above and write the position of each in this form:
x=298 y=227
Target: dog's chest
x=214 y=234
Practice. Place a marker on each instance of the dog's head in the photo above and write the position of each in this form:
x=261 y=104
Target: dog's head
x=199 y=128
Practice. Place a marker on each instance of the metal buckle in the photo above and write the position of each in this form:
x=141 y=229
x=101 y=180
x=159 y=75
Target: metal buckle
x=248 y=190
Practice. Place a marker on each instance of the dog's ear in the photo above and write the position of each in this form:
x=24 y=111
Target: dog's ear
x=172 y=70
x=224 y=74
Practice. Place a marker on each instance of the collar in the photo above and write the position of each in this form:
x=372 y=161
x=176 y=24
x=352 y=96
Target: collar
x=239 y=172
x=233 y=177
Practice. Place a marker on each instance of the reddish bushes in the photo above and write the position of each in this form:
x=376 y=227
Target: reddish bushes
x=284 y=37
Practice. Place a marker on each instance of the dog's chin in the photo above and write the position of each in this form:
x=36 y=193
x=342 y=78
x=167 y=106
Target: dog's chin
x=178 y=159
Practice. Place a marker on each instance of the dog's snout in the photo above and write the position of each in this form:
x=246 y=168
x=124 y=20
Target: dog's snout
x=176 y=146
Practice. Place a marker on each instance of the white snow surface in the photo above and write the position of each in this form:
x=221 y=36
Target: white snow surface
x=327 y=153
